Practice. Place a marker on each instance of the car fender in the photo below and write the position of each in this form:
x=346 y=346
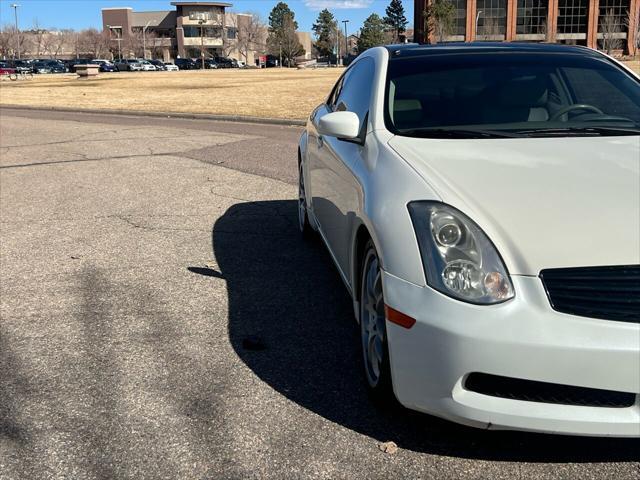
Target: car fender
x=387 y=183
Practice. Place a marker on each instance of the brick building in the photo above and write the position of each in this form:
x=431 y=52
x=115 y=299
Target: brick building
x=184 y=32
x=563 y=21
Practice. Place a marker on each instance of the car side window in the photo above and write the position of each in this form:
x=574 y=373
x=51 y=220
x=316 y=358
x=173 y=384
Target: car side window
x=355 y=89
x=331 y=101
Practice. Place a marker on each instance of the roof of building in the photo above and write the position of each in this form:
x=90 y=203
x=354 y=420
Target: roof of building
x=204 y=4
x=415 y=49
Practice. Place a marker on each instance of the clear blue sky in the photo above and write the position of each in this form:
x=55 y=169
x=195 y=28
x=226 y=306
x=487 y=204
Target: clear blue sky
x=80 y=14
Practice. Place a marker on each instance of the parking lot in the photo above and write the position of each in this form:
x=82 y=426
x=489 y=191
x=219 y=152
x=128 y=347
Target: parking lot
x=161 y=317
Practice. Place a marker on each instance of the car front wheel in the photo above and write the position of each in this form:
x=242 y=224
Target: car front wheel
x=373 y=331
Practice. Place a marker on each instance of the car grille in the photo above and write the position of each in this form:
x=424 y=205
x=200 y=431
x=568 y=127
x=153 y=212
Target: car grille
x=611 y=293
x=542 y=392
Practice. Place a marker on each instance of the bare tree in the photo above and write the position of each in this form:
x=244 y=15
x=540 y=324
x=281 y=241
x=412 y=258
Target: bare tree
x=38 y=35
x=5 y=42
x=610 y=28
x=632 y=21
x=17 y=41
x=93 y=42
x=252 y=35
x=490 y=29
x=56 y=42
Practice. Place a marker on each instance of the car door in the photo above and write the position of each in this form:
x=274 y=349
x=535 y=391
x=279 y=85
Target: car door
x=334 y=189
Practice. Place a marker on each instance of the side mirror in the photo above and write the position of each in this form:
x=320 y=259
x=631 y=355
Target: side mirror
x=342 y=125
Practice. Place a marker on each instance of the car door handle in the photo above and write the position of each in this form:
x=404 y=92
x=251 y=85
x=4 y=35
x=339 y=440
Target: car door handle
x=320 y=141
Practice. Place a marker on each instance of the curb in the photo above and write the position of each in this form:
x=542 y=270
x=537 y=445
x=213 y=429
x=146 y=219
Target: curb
x=189 y=116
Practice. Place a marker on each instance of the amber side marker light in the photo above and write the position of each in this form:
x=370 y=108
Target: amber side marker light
x=399 y=318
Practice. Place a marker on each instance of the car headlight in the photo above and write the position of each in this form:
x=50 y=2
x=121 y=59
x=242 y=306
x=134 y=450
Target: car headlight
x=459 y=259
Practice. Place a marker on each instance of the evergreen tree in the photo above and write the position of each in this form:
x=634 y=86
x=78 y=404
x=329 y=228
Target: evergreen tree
x=277 y=15
x=325 y=32
x=395 y=18
x=372 y=33
x=283 y=41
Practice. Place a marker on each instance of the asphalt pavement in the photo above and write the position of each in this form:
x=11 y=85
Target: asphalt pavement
x=161 y=317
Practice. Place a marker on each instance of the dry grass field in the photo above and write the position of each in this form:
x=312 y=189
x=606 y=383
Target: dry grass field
x=275 y=93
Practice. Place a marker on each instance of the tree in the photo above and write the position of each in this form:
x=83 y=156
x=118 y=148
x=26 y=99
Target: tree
x=372 y=33
x=632 y=21
x=251 y=35
x=325 y=30
x=38 y=38
x=610 y=28
x=283 y=40
x=277 y=17
x=439 y=17
x=5 y=42
x=95 y=43
x=395 y=19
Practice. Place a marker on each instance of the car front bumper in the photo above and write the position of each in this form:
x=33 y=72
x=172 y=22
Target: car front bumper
x=521 y=339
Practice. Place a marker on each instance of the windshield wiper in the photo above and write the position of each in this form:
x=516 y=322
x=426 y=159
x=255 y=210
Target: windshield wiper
x=580 y=131
x=457 y=133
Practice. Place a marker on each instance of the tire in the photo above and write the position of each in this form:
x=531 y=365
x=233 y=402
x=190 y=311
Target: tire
x=373 y=329
x=303 y=218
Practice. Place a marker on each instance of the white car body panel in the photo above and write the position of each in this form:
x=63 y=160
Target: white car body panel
x=578 y=188
x=537 y=199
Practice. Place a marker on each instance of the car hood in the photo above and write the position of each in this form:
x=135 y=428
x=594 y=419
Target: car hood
x=544 y=202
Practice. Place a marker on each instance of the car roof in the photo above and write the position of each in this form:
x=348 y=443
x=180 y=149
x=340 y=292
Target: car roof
x=419 y=50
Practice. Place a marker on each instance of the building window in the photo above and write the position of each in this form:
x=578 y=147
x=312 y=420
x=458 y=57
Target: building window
x=460 y=18
x=572 y=16
x=191 y=31
x=613 y=15
x=207 y=32
x=195 y=15
x=232 y=33
x=532 y=17
x=492 y=20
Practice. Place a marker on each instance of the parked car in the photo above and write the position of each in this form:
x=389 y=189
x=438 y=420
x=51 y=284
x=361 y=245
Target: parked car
x=159 y=64
x=481 y=204
x=6 y=69
x=146 y=65
x=41 y=67
x=25 y=66
x=271 y=62
x=211 y=63
x=104 y=65
x=186 y=64
x=224 y=62
x=171 y=67
x=71 y=64
x=54 y=66
x=128 y=65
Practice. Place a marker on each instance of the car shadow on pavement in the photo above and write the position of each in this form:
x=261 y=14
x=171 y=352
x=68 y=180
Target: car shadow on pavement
x=285 y=294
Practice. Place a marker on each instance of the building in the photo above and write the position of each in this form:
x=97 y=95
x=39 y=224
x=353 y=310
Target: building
x=580 y=22
x=192 y=29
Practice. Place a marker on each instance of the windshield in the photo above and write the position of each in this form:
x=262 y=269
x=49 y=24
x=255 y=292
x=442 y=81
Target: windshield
x=484 y=95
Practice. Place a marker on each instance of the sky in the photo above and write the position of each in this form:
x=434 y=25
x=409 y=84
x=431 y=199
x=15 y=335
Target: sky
x=79 y=14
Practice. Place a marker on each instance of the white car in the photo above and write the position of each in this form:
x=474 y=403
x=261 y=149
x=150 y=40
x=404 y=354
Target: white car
x=482 y=205
x=171 y=67
x=146 y=65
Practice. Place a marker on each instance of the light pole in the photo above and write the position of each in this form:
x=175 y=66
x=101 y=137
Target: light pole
x=15 y=13
x=280 y=45
x=144 y=40
x=201 y=22
x=346 y=41
x=337 y=45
